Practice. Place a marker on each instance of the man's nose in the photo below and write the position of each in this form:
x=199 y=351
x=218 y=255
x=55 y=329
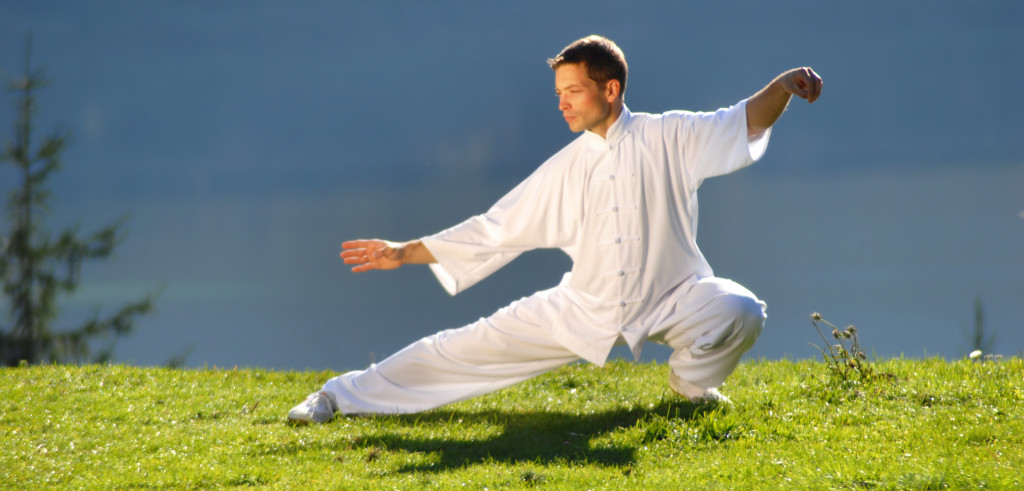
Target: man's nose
x=562 y=103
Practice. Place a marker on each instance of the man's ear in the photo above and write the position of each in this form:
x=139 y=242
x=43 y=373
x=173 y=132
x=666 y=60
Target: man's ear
x=612 y=90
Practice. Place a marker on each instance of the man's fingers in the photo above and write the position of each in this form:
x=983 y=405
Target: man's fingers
x=366 y=255
x=812 y=89
x=807 y=88
x=353 y=253
x=813 y=83
x=804 y=83
x=803 y=90
x=361 y=262
x=356 y=255
x=356 y=244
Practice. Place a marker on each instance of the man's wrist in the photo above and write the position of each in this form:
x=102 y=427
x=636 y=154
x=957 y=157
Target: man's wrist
x=414 y=252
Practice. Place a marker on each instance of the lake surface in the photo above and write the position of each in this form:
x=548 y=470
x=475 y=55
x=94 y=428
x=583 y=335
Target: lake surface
x=259 y=283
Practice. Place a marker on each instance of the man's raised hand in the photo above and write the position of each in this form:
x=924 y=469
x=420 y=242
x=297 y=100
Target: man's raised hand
x=765 y=107
x=803 y=83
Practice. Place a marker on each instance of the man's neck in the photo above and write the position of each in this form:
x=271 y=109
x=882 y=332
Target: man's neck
x=614 y=112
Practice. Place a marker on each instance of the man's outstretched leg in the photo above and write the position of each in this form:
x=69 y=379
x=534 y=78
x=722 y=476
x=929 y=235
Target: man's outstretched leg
x=450 y=366
x=712 y=324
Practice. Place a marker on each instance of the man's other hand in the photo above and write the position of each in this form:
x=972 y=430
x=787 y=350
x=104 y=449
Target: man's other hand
x=372 y=254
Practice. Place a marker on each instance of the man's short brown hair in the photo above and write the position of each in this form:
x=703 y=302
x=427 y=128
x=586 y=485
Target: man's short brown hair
x=602 y=57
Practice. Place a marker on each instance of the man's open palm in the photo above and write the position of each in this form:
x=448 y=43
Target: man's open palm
x=371 y=254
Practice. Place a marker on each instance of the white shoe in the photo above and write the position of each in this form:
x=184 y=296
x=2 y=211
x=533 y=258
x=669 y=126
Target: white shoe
x=695 y=394
x=712 y=395
x=317 y=408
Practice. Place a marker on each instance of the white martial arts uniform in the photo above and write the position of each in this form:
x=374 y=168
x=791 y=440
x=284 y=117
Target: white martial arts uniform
x=624 y=208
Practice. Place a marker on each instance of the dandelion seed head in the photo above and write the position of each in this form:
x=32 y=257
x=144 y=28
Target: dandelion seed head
x=975 y=354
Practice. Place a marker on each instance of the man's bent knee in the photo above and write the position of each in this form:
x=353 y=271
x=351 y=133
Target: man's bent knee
x=742 y=318
x=750 y=316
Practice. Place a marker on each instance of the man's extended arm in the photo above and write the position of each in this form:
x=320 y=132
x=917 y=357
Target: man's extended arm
x=382 y=254
x=765 y=107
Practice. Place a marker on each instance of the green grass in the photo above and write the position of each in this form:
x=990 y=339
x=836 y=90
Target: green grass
x=932 y=424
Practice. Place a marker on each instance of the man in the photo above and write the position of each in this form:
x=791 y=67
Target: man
x=621 y=201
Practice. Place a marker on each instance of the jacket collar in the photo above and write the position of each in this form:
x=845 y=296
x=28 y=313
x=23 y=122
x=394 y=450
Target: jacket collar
x=616 y=132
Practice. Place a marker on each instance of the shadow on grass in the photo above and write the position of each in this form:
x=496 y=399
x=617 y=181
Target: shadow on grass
x=541 y=437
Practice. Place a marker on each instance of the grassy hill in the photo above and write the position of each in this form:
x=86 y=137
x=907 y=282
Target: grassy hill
x=927 y=424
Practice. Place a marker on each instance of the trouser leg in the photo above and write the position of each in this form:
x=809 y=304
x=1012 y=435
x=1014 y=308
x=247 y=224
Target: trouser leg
x=711 y=325
x=451 y=366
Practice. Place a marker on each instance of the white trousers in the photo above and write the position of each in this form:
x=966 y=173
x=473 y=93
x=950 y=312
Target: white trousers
x=709 y=327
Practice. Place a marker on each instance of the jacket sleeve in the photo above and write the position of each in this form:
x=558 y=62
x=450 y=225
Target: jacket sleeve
x=543 y=211
x=715 y=143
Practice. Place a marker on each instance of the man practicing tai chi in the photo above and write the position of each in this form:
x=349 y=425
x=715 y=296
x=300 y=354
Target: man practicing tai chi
x=621 y=201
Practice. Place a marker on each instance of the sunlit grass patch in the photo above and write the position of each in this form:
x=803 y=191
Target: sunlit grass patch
x=933 y=423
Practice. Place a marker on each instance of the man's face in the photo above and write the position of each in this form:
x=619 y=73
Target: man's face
x=584 y=104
